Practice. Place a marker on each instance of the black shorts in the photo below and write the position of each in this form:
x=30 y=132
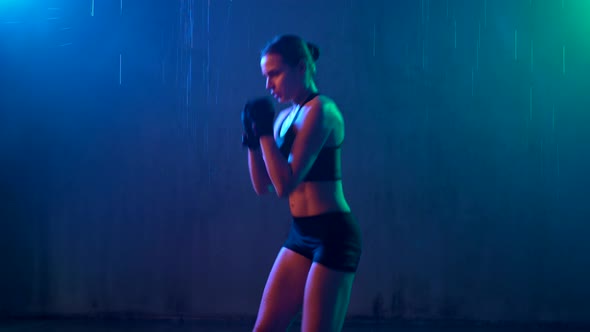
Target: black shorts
x=331 y=239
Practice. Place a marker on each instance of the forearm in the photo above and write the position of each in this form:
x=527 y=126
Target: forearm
x=258 y=174
x=278 y=168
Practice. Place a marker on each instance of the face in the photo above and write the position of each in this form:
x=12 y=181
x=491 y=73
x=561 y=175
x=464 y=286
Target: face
x=282 y=81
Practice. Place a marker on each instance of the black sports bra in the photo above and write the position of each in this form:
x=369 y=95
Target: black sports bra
x=327 y=164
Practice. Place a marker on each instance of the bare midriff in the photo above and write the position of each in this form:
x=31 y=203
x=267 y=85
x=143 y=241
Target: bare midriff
x=314 y=198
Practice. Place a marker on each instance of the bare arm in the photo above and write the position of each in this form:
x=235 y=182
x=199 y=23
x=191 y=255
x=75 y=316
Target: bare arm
x=258 y=171
x=258 y=174
x=284 y=174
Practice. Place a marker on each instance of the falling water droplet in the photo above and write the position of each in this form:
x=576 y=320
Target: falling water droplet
x=422 y=10
x=472 y=81
x=455 y=31
x=120 y=67
x=531 y=103
x=553 y=119
x=485 y=13
x=374 y=37
x=563 y=55
x=532 y=56
x=478 y=45
x=423 y=54
x=515 y=44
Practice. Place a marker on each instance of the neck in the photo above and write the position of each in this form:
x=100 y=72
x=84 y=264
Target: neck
x=304 y=94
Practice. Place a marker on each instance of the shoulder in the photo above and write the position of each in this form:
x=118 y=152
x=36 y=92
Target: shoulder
x=324 y=108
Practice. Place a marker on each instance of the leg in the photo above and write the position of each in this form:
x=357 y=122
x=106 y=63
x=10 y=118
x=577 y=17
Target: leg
x=327 y=293
x=283 y=294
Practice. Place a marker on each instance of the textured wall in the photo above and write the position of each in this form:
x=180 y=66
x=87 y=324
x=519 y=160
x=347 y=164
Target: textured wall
x=124 y=187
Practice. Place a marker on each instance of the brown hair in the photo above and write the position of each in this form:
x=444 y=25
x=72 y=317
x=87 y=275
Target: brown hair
x=293 y=49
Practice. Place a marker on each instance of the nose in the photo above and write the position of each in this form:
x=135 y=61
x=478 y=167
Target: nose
x=269 y=84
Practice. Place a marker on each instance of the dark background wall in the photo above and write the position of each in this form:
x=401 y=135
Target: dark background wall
x=124 y=188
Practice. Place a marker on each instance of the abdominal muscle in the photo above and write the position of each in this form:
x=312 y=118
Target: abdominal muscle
x=314 y=198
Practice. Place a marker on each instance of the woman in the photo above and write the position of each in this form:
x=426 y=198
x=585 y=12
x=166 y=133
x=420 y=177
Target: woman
x=298 y=156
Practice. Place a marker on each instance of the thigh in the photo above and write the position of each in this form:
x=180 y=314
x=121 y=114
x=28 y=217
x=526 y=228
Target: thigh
x=282 y=298
x=327 y=293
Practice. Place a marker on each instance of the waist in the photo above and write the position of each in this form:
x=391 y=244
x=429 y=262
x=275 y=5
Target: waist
x=327 y=215
x=316 y=198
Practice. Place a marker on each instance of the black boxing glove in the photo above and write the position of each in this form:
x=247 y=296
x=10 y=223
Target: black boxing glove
x=261 y=113
x=249 y=140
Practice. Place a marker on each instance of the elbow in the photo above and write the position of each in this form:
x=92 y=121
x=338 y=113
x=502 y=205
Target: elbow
x=261 y=190
x=284 y=190
x=281 y=193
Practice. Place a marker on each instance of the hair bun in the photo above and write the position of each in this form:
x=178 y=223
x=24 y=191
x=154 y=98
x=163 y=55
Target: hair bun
x=314 y=51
